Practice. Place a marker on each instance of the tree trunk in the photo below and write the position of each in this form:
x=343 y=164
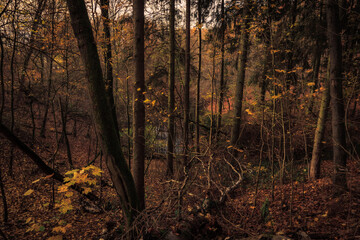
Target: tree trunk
x=2 y=81
x=197 y=113
x=337 y=104
x=240 y=78
x=187 y=85
x=5 y=207
x=139 y=97
x=171 y=99
x=320 y=129
x=222 y=81
x=118 y=168
x=109 y=79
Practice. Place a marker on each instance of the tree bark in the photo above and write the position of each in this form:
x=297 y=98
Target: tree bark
x=222 y=80
x=187 y=85
x=171 y=98
x=337 y=104
x=109 y=78
x=240 y=78
x=197 y=113
x=139 y=97
x=118 y=168
x=5 y=206
x=320 y=129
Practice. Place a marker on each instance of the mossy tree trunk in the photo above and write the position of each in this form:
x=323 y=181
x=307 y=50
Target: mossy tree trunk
x=320 y=129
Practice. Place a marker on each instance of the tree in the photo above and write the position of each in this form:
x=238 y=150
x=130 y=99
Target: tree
x=240 y=77
x=109 y=79
x=139 y=98
x=337 y=105
x=197 y=111
x=222 y=80
x=118 y=168
x=187 y=84
x=171 y=98
x=320 y=129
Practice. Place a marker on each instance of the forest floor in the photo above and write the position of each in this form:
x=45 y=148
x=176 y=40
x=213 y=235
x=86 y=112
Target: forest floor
x=297 y=206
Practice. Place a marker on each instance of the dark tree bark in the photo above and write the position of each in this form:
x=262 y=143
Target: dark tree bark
x=139 y=97
x=187 y=84
x=240 y=78
x=222 y=80
x=48 y=100
x=5 y=206
x=171 y=99
x=2 y=81
x=118 y=168
x=337 y=104
x=109 y=79
x=197 y=114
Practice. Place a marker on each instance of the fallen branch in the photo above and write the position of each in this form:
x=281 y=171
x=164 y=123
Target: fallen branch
x=40 y=163
x=230 y=189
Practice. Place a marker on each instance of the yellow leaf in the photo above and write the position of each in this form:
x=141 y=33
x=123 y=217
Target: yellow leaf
x=325 y=214
x=64 y=209
x=310 y=84
x=28 y=220
x=147 y=101
x=28 y=192
x=37 y=180
x=59 y=229
x=249 y=112
x=139 y=89
x=86 y=190
x=63 y=188
x=69 y=194
x=276 y=96
x=97 y=172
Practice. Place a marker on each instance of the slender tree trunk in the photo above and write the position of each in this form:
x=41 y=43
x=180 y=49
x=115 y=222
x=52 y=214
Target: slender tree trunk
x=337 y=104
x=187 y=85
x=29 y=52
x=5 y=206
x=171 y=99
x=240 y=78
x=12 y=72
x=109 y=79
x=47 y=105
x=320 y=129
x=118 y=168
x=63 y=112
x=197 y=113
x=212 y=96
x=222 y=81
x=2 y=81
x=139 y=97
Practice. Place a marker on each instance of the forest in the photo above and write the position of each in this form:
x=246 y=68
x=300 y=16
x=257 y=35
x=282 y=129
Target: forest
x=179 y=119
